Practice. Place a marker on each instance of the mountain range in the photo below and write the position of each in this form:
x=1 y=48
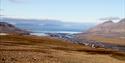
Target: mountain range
x=109 y=27
x=38 y=25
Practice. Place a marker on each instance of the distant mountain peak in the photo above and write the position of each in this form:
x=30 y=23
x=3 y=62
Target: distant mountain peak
x=122 y=20
x=108 y=22
x=109 y=27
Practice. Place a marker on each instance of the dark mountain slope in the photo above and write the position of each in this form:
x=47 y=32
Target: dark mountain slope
x=11 y=29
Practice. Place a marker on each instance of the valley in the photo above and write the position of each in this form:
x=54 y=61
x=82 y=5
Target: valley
x=34 y=49
x=20 y=46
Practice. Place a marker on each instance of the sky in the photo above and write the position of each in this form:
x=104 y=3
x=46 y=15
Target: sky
x=65 y=10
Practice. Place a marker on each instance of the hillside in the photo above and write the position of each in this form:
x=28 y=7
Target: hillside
x=109 y=27
x=11 y=29
x=33 y=49
x=107 y=32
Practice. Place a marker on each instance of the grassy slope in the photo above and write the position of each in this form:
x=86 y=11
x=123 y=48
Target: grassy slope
x=33 y=49
x=113 y=40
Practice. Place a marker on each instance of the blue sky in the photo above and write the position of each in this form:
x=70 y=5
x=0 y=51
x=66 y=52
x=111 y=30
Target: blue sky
x=65 y=10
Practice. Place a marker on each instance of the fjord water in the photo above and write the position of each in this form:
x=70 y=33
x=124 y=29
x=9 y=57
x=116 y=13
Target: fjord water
x=43 y=33
x=39 y=27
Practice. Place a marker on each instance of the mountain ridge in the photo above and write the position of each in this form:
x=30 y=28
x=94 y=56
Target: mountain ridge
x=11 y=29
x=109 y=27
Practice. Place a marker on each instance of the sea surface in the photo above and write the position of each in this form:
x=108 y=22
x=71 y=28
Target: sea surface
x=43 y=33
